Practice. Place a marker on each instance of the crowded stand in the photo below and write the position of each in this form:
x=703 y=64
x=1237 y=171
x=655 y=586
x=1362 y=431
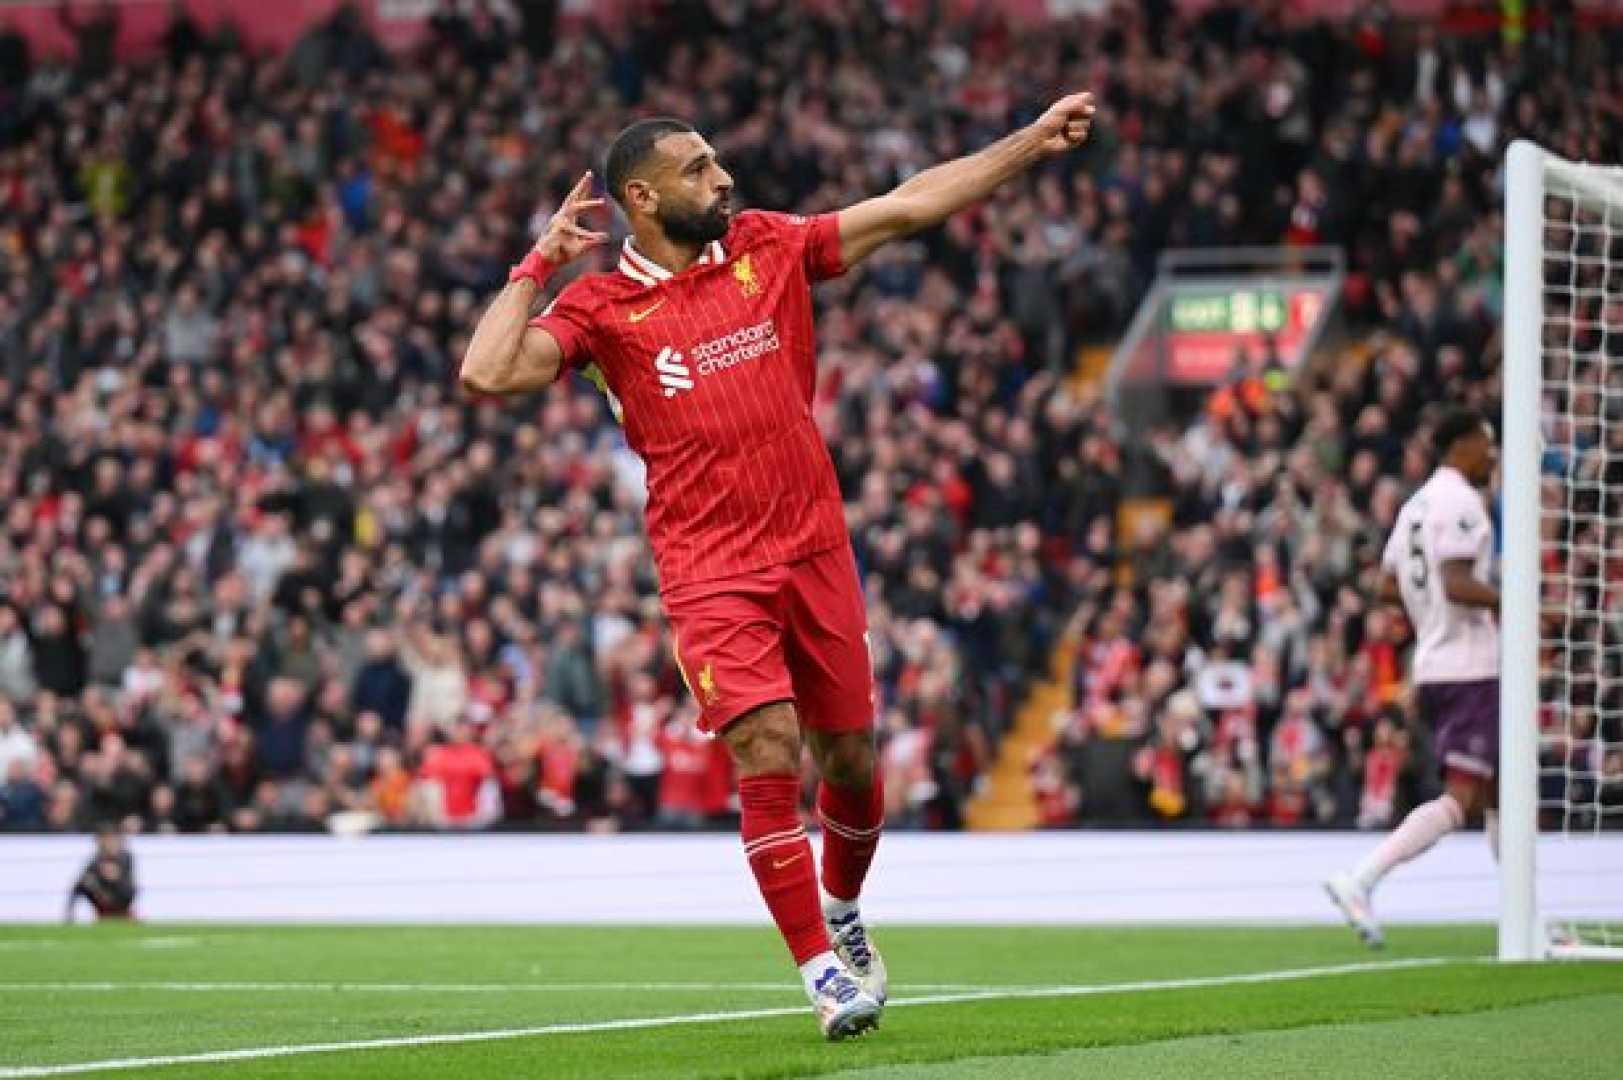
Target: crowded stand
x=265 y=566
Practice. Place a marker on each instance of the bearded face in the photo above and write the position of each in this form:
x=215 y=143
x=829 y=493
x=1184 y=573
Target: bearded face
x=696 y=225
x=683 y=188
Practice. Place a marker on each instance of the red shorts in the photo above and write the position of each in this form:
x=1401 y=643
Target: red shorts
x=796 y=632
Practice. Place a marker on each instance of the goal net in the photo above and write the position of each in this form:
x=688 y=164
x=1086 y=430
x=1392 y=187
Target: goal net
x=1561 y=778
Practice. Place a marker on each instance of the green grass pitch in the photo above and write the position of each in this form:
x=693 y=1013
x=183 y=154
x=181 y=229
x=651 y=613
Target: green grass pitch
x=608 y=1003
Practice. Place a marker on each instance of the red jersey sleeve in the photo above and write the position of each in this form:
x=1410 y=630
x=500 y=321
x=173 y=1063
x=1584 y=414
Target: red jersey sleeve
x=569 y=320
x=822 y=254
x=816 y=238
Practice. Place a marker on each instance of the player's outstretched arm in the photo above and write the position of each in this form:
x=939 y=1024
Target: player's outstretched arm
x=507 y=355
x=937 y=193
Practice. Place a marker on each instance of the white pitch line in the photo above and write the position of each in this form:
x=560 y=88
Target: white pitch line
x=154 y=943
x=424 y=988
x=28 y=1072
x=1193 y=983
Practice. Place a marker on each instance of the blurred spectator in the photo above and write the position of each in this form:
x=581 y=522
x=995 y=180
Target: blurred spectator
x=17 y=746
x=189 y=331
x=200 y=802
x=280 y=728
x=390 y=787
x=95 y=35
x=113 y=642
x=381 y=686
x=458 y=780
x=16 y=59
x=439 y=683
x=22 y=800
x=107 y=882
x=16 y=658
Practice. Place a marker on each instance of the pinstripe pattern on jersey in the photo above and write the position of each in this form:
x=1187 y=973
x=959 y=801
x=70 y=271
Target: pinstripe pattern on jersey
x=738 y=476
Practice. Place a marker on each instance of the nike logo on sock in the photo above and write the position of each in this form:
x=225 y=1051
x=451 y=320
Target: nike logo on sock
x=778 y=864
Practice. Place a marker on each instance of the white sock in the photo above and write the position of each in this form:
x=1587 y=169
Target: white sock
x=835 y=908
x=816 y=968
x=1490 y=822
x=1425 y=825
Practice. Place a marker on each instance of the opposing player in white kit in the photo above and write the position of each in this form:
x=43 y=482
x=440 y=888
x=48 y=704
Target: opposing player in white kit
x=1438 y=561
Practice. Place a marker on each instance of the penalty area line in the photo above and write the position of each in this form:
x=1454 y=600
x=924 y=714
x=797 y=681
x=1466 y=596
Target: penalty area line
x=28 y=1072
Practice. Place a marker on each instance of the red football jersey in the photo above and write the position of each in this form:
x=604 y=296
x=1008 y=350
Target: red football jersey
x=712 y=372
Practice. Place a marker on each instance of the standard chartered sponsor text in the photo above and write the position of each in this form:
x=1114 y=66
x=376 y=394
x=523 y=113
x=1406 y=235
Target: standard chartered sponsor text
x=733 y=349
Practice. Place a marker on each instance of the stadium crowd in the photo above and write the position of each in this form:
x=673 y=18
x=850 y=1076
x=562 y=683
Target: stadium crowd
x=263 y=563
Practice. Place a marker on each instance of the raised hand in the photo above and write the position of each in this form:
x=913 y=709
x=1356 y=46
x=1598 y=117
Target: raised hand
x=564 y=237
x=1066 y=123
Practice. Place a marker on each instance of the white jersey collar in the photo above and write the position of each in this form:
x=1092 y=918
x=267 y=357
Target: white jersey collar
x=645 y=271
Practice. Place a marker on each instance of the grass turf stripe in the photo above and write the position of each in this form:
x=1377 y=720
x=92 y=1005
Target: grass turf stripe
x=28 y=1072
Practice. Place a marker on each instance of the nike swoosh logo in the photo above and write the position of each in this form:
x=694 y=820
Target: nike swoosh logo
x=639 y=316
x=776 y=865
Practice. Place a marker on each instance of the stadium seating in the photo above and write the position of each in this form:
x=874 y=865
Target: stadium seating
x=264 y=564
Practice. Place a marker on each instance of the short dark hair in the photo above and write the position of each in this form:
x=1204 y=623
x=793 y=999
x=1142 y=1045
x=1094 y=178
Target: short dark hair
x=1456 y=424
x=632 y=146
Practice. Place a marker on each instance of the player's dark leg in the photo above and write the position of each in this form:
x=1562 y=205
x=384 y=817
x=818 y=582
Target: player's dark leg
x=765 y=744
x=1478 y=798
x=1469 y=791
x=850 y=806
x=1490 y=819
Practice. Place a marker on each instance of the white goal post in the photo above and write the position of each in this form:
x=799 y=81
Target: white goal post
x=1561 y=689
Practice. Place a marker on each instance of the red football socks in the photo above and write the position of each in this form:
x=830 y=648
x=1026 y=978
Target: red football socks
x=781 y=857
x=852 y=819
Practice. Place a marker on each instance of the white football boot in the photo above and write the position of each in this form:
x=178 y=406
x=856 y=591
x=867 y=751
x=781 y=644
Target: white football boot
x=853 y=946
x=843 y=1008
x=1353 y=900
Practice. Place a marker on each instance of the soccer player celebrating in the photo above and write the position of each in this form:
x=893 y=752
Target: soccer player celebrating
x=1437 y=562
x=702 y=339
